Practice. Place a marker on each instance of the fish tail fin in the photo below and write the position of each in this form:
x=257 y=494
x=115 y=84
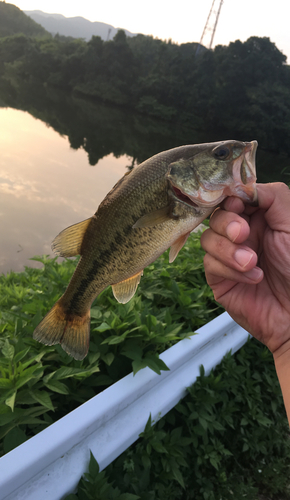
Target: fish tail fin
x=72 y=332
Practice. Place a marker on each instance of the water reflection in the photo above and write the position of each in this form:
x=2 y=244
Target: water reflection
x=49 y=142
x=45 y=186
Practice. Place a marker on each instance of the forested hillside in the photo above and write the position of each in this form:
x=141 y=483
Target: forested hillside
x=241 y=90
x=13 y=20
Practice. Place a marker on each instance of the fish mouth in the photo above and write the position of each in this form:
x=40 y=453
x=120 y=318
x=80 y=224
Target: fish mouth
x=203 y=199
x=244 y=174
x=184 y=198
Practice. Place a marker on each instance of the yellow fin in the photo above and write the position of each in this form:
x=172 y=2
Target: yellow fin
x=154 y=218
x=125 y=290
x=68 y=243
x=177 y=246
x=71 y=332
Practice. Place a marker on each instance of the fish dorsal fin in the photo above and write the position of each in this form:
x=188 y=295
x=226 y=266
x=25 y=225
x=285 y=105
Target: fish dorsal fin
x=177 y=246
x=68 y=243
x=125 y=290
x=154 y=218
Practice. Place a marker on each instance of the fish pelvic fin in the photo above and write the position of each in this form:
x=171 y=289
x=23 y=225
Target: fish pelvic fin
x=68 y=243
x=177 y=246
x=125 y=290
x=70 y=331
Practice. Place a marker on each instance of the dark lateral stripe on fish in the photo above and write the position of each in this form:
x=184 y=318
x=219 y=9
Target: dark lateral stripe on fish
x=84 y=283
x=104 y=259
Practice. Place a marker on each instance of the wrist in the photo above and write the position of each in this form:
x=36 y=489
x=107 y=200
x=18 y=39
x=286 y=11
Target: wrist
x=282 y=364
x=282 y=354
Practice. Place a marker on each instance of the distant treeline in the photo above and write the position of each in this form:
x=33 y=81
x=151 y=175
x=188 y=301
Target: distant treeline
x=242 y=89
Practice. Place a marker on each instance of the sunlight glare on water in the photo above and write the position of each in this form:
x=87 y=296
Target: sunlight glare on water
x=45 y=186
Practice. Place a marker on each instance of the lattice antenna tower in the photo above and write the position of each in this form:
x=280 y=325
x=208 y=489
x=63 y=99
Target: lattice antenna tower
x=210 y=25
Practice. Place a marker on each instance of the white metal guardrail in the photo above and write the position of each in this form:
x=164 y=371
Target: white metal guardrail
x=50 y=464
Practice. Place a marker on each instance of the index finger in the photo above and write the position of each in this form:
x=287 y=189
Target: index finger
x=230 y=224
x=236 y=205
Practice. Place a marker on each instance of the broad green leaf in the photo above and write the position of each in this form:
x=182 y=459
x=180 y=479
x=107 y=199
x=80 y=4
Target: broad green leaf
x=158 y=447
x=93 y=465
x=28 y=374
x=8 y=350
x=178 y=476
x=173 y=331
x=68 y=372
x=20 y=355
x=102 y=328
x=10 y=401
x=203 y=422
x=214 y=462
x=148 y=424
x=93 y=357
x=35 y=358
x=138 y=365
x=114 y=339
x=155 y=363
x=96 y=313
x=43 y=398
x=108 y=358
x=56 y=386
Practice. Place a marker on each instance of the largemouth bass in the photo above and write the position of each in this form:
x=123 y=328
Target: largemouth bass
x=152 y=208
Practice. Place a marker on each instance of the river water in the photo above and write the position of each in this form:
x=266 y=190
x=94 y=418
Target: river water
x=61 y=156
x=45 y=186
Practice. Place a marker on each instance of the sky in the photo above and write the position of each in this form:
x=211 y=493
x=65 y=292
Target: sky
x=182 y=21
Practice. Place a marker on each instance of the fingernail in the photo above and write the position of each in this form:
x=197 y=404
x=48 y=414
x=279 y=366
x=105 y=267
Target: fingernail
x=243 y=257
x=233 y=230
x=254 y=274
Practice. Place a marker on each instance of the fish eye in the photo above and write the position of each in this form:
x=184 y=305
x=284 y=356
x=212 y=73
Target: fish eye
x=222 y=153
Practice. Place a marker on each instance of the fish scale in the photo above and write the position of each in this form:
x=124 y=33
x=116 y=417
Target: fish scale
x=152 y=208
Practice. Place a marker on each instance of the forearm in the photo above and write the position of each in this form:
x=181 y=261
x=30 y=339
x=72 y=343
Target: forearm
x=282 y=364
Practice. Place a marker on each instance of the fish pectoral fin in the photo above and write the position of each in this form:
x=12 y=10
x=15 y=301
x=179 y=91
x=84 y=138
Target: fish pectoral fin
x=154 y=218
x=125 y=290
x=177 y=246
x=68 y=243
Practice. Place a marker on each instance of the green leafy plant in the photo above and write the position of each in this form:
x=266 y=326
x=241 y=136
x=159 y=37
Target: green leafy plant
x=170 y=304
x=95 y=486
x=228 y=438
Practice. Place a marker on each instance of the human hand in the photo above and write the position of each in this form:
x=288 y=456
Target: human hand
x=247 y=263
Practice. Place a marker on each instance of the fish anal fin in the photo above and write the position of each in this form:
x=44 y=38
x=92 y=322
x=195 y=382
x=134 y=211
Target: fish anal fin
x=70 y=331
x=154 y=218
x=68 y=243
x=125 y=290
x=177 y=246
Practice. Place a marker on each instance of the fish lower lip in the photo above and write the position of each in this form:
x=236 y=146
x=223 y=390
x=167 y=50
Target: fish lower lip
x=254 y=202
x=183 y=197
x=249 y=195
